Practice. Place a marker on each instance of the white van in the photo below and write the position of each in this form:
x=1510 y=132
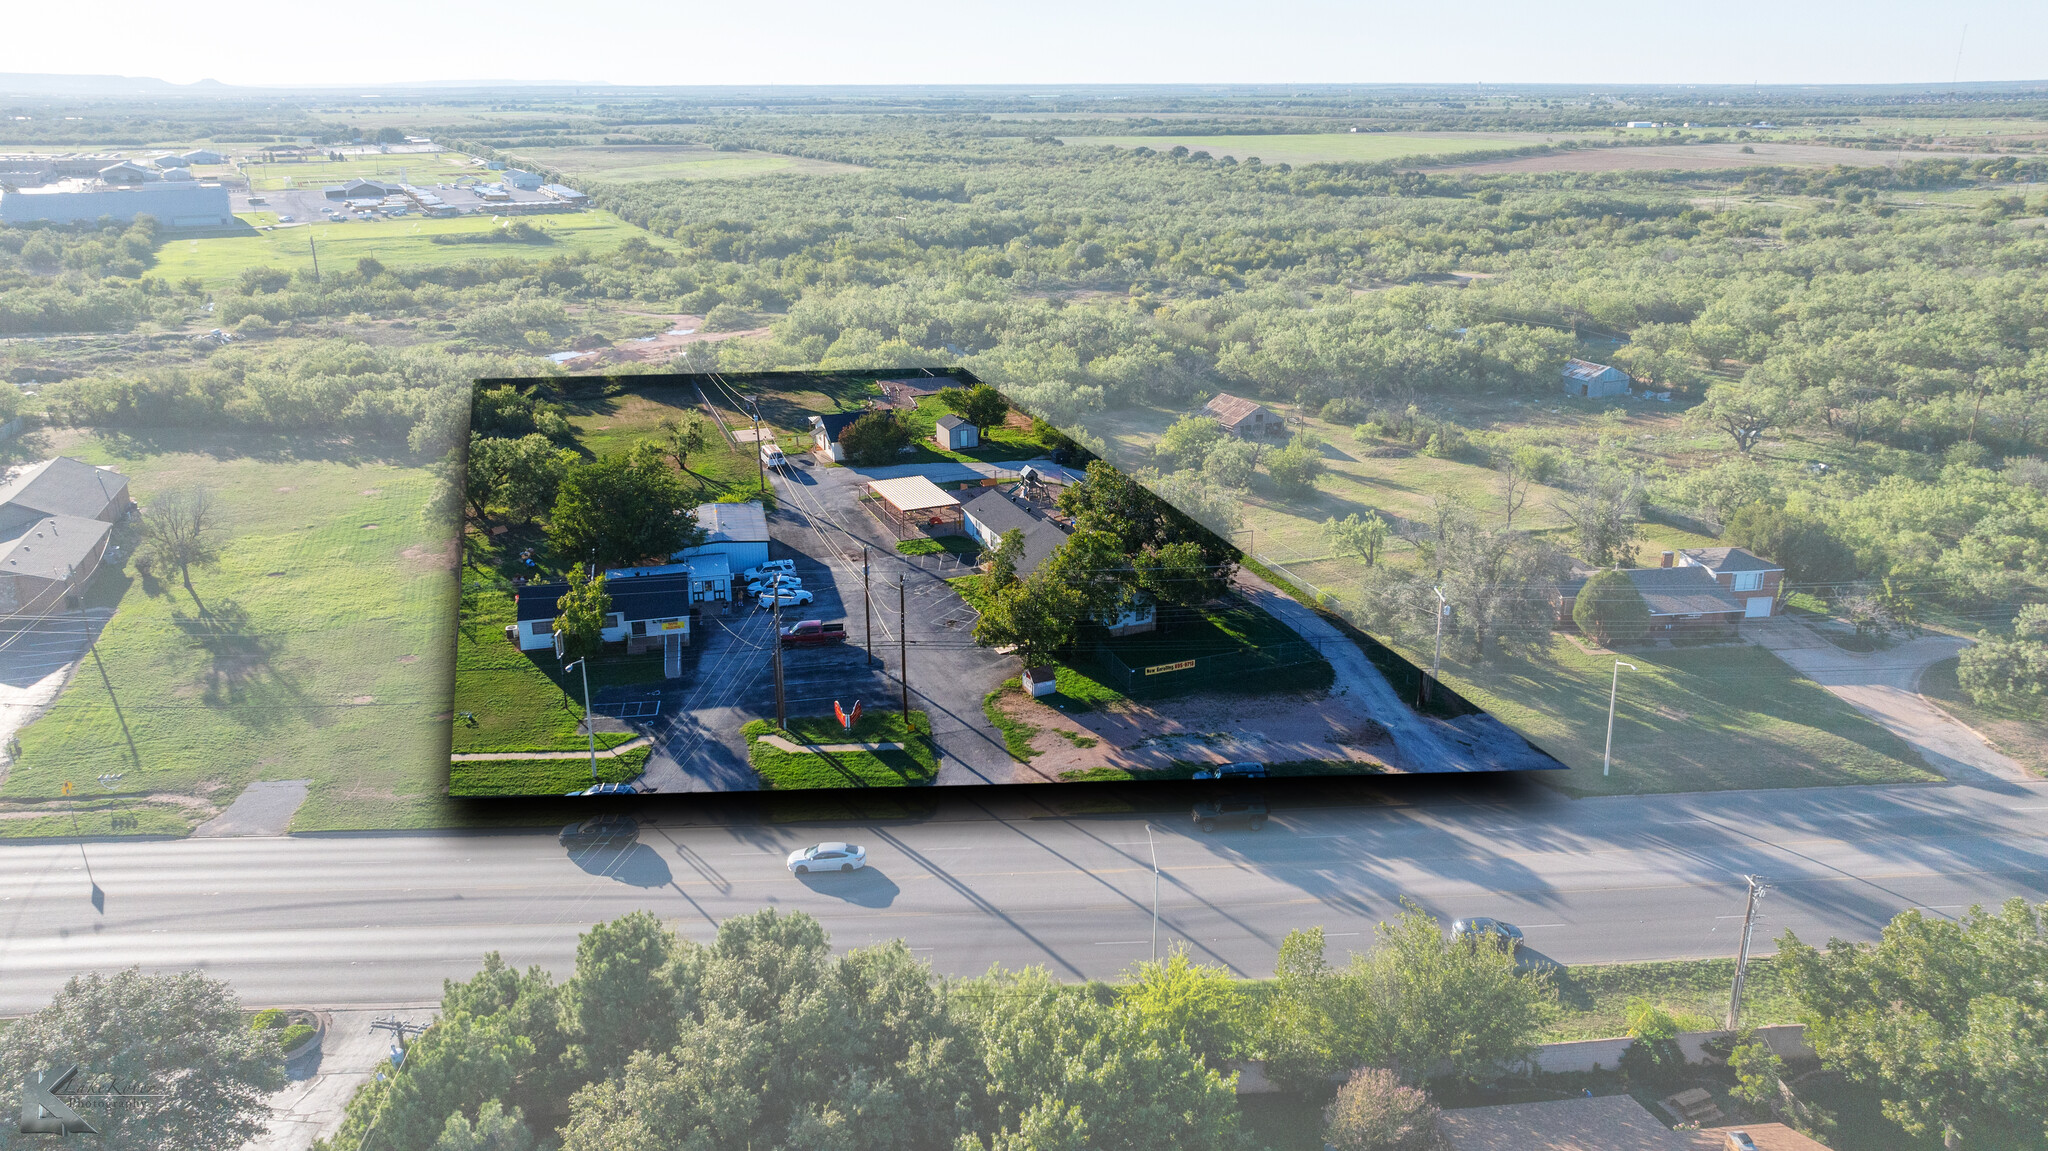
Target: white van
x=772 y=456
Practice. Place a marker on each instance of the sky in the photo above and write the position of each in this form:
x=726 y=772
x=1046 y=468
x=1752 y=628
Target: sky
x=1042 y=42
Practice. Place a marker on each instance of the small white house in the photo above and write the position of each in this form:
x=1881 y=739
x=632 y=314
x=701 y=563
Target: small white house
x=1138 y=613
x=825 y=434
x=954 y=433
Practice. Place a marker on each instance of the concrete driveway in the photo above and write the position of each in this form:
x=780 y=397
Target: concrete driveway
x=1885 y=685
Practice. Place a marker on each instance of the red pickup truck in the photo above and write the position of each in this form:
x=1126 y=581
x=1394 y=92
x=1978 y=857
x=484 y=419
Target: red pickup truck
x=812 y=631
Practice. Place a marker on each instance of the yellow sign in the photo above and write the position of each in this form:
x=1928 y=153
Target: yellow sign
x=1161 y=669
x=675 y=624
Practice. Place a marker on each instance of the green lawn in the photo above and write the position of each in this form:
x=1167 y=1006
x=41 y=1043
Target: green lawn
x=632 y=162
x=318 y=648
x=541 y=776
x=421 y=168
x=1593 y=999
x=520 y=700
x=2017 y=728
x=999 y=444
x=1242 y=643
x=963 y=546
x=218 y=261
x=780 y=770
x=1689 y=719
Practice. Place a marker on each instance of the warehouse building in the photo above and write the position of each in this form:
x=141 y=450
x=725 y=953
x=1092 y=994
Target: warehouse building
x=176 y=204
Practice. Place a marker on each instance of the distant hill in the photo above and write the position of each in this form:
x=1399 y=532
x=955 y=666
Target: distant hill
x=55 y=84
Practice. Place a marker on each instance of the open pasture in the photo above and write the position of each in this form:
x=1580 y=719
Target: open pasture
x=422 y=168
x=1326 y=147
x=672 y=162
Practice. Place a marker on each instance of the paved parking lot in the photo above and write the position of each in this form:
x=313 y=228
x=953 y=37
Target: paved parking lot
x=727 y=677
x=35 y=663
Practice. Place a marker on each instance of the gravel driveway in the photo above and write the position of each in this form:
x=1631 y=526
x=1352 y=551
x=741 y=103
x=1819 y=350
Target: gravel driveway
x=1884 y=685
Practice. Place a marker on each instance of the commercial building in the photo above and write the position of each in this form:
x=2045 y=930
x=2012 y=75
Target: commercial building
x=521 y=179
x=56 y=518
x=988 y=516
x=736 y=532
x=176 y=204
x=564 y=193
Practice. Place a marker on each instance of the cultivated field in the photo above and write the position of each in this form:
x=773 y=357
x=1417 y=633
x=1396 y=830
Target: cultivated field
x=317 y=649
x=396 y=243
x=672 y=162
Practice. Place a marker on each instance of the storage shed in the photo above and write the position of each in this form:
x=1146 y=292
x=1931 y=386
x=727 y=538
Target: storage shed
x=1588 y=379
x=954 y=433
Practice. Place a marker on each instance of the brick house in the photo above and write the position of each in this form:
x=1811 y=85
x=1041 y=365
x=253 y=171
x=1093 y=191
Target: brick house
x=1754 y=581
x=1693 y=589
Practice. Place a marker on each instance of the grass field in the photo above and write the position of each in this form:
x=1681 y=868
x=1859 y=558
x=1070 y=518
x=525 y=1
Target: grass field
x=520 y=700
x=541 y=776
x=2019 y=729
x=1330 y=147
x=218 y=261
x=317 y=650
x=780 y=770
x=633 y=162
x=1693 y=719
x=421 y=168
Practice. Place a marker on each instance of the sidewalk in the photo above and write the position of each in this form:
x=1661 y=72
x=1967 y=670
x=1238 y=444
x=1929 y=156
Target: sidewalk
x=319 y=1085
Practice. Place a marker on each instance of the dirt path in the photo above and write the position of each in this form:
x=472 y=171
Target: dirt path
x=1884 y=685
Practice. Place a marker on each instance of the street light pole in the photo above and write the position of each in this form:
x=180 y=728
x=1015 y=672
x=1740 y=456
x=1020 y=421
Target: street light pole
x=1607 y=757
x=760 y=465
x=867 y=611
x=1436 y=661
x=1155 y=891
x=589 y=728
x=781 y=699
x=903 y=647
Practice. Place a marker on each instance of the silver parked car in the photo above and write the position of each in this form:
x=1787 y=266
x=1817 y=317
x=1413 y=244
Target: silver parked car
x=827 y=857
x=1494 y=931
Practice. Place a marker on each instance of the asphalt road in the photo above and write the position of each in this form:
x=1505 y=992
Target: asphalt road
x=1011 y=877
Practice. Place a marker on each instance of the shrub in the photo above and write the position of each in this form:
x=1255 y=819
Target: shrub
x=874 y=438
x=1345 y=410
x=1758 y=1071
x=725 y=318
x=294 y=1035
x=267 y=1020
x=1375 y=1111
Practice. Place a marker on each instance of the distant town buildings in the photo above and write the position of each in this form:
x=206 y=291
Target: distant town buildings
x=186 y=203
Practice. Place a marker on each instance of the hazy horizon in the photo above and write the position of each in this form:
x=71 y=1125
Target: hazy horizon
x=640 y=43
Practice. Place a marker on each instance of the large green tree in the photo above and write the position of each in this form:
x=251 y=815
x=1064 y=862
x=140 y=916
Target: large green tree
x=1947 y=1018
x=1191 y=1004
x=178 y=1042
x=1187 y=442
x=874 y=439
x=580 y=613
x=1610 y=609
x=619 y=510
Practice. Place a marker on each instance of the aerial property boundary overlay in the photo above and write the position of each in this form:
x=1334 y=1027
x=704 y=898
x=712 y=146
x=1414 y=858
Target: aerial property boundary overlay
x=799 y=580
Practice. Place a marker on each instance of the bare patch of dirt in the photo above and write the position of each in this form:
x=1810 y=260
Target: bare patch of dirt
x=1150 y=737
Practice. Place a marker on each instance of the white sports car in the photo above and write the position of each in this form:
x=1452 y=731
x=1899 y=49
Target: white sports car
x=827 y=857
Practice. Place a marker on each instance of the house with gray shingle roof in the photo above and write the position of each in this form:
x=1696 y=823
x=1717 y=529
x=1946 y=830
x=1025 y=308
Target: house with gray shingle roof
x=1700 y=587
x=56 y=518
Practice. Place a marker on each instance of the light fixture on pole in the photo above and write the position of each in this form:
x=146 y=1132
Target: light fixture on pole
x=1607 y=757
x=1757 y=890
x=588 y=726
x=1155 y=891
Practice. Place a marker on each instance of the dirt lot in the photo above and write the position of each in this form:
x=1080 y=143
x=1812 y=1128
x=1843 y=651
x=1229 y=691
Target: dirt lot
x=1149 y=737
x=1704 y=157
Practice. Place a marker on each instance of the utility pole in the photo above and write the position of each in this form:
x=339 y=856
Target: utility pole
x=1757 y=888
x=589 y=727
x=1607 y=757
x=867 y=611
x=315 y=249
x=1436 y=661
x=760 y=465
x=903 y=646
x=1154 y=848
x=781 y=702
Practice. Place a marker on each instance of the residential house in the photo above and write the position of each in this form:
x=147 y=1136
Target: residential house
x=825 y=434
x=1754 y=581
x=994 y=512
x=61 y=486
x=1678 y=597
x=1135 y=613
x=736 y=532
x=1585 y=378
x=1595 y=1123
x=44 y=569
x=954 y=433
x=1245 y=419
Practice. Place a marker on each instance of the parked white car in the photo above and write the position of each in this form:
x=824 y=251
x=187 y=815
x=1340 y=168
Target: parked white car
x=772 y=582
x=827 y=857
x=772 y=567
x=787 y=597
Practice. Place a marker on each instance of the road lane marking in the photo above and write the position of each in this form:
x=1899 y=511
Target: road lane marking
x=1120 y=943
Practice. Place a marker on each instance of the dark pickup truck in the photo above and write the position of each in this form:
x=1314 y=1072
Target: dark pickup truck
x=812 y=631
